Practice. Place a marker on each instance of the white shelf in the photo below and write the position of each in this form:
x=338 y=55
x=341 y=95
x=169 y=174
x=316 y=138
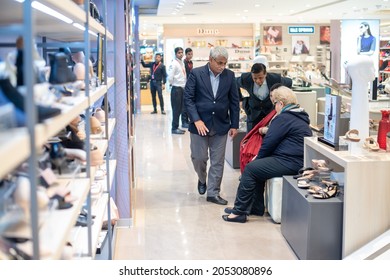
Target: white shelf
x=98 y=209
x=55 y=226
x=51 y=27
x=58 y=224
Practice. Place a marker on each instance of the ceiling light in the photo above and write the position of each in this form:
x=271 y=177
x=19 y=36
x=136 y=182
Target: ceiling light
x=50 y=11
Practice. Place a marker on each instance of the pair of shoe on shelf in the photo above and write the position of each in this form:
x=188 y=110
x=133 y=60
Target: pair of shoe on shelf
x=329 y=190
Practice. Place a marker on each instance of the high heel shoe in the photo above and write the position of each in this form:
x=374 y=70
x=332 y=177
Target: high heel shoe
x=237 y=219
x=321 y=165
x=302 y=172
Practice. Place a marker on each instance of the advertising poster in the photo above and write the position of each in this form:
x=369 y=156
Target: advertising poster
x=359 y=37
x=272 y=35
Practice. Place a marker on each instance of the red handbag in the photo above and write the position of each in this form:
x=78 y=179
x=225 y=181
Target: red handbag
x=251 y=143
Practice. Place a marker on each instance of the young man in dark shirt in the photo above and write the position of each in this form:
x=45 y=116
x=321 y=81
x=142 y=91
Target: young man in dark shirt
x=158 y=76
x=188 y=65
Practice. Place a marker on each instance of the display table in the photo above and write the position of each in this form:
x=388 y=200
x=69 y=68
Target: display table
x=366 y=212
x=232 y=151
x=312 y=227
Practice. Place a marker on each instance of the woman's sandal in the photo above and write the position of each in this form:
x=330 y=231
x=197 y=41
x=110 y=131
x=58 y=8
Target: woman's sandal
x=352 y=135
x=329 y=183
x=326 y=193
x=371 y=144
x=303 y=184
x=315 y=189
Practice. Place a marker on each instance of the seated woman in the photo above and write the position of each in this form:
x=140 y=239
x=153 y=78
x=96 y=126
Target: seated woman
x=281 y=153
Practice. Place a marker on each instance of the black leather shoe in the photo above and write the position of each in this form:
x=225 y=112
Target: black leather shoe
x=178 y=131
x=202 y=187
x=154 y=112
x=217 y=200
x=238 y=219
x=229 y=210
x=163 y=112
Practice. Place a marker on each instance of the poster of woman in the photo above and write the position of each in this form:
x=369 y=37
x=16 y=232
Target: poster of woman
x=359 y=37
x=325 y=35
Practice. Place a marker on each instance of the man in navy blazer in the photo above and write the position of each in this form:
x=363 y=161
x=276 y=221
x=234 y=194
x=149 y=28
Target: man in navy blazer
x=212 y=101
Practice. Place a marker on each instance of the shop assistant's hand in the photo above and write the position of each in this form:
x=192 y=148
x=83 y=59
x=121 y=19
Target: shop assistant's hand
x=233 y=132
x=163 y=86
x=201 y=127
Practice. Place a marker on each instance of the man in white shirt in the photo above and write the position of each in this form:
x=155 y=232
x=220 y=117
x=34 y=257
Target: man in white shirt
x=177 y=79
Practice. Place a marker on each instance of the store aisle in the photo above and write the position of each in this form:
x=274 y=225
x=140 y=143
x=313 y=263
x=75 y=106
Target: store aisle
x=172 y=221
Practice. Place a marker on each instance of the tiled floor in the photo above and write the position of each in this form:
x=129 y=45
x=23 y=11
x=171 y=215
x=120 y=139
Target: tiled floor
x=172 y=221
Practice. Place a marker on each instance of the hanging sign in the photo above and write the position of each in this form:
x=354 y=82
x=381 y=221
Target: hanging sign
x=301 y=29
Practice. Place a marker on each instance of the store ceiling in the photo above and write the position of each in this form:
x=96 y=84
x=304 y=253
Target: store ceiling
x=258 y=11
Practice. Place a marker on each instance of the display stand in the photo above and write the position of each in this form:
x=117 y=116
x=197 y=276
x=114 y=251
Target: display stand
x=362 y=71
x=232 y=151
x=366 y=212
x=312 y=227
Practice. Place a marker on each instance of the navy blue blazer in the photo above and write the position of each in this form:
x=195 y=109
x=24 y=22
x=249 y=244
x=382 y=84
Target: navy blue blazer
x=221 y=112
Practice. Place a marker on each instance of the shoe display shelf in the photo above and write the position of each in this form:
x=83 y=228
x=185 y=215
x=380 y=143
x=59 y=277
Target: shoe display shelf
x=311 y=226
x=49 y=232
x=366 y=211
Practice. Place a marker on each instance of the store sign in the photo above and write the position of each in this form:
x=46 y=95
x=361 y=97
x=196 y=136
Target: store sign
x=301 y=29
x=205 y=31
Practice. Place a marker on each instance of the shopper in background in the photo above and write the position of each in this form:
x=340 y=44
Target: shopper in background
x=212 y=102
x=158 y=78
x=258 y=83
x=177 y=79
x=366 y=42
x=281 y=153
x=188 y=65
